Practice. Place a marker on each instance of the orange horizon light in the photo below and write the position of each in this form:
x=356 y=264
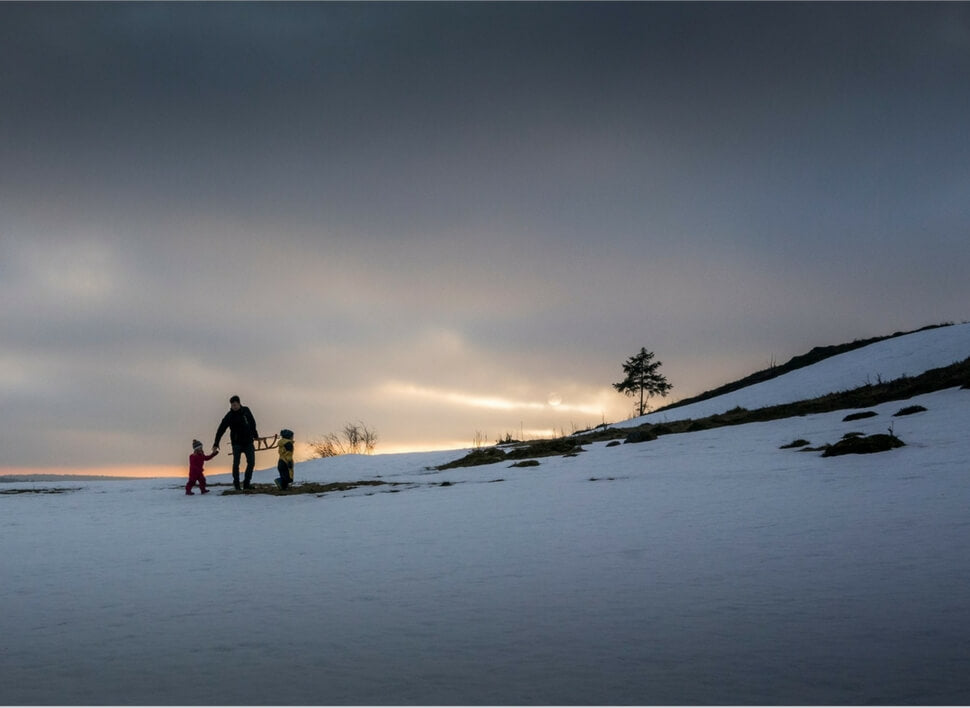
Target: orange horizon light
x=139 y=471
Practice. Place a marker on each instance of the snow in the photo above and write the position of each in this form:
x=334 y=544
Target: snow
x=709 y=567
x=907 y=355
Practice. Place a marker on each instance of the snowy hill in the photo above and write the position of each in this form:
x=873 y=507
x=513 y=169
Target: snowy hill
x=908 y=355
x=709 y=567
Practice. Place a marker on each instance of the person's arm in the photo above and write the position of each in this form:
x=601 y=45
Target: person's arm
x=222 y=429
x=252 y=423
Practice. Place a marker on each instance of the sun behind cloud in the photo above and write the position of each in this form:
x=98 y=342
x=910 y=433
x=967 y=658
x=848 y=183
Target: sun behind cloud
x=470 y=400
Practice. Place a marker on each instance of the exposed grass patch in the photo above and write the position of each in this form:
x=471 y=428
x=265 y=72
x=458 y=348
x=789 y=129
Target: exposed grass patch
x=307 y=488
x=908 y=410
x=697 y=426
x=567 y=446
x=639 y=435
x=794 y=444
x=863 y=445
x=601 y=433
x=545 y=448
x=482 y=456
x=46 y=490
x=859 y=416
x=526 y=463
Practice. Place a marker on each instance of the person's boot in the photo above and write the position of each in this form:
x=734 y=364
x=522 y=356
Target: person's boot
x=278 y=484
x=189 y=494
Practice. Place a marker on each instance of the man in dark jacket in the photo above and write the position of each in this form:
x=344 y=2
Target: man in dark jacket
x=242 y=432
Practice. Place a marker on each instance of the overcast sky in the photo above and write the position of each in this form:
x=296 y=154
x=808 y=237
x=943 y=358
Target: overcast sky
x=442 y=219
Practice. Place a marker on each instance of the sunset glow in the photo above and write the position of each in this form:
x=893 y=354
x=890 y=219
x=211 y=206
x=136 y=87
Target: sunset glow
x=452 y=219
x=140 y=471
x=469 y=400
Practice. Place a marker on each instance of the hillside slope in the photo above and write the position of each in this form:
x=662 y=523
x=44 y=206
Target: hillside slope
x=814 y=356
x=885 y=360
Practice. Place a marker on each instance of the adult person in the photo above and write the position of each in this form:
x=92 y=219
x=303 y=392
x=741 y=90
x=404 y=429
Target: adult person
x=242 y=432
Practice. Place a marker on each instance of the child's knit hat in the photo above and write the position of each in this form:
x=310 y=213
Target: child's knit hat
x=196 y=445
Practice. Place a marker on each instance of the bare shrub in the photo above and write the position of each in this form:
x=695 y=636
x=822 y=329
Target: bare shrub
x=369 y=439
x=357 y=438
x=327 y=446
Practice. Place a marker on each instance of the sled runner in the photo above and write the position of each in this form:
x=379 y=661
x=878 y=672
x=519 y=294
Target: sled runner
x=266 y=443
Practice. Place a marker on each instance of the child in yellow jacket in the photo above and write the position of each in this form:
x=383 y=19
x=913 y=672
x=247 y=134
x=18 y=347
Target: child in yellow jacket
x=285 y=465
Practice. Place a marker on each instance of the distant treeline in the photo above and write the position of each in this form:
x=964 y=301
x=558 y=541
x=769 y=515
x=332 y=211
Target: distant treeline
x=11 y=478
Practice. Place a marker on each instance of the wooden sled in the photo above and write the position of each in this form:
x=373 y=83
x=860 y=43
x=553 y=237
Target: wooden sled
x=267 y=443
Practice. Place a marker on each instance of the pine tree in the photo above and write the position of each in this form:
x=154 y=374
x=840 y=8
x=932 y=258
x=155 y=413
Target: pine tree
x=643 y=379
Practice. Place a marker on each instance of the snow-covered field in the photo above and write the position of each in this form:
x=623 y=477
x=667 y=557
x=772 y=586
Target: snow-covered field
x=709 y=567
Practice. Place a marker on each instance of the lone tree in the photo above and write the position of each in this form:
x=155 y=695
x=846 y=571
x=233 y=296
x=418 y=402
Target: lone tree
x=642 y=379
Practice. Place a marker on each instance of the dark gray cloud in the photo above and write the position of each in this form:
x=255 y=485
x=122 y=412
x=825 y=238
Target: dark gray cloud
x=395 y=211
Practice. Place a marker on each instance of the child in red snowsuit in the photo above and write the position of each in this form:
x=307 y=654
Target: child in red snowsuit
x=196 y=461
